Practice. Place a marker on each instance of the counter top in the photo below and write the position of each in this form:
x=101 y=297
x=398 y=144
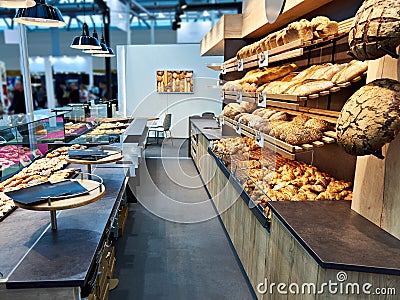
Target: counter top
x=338 y=237
x=32 y=255
x=208 y=127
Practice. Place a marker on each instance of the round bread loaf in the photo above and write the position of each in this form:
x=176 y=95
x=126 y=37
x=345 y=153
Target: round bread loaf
x=376 y=24
x=370 y=118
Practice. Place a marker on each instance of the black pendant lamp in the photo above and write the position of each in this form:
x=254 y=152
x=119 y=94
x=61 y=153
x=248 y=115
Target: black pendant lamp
x=41 y=14
x=104 y=48
x=110 y=53
x=85 y=41
x=17 y=3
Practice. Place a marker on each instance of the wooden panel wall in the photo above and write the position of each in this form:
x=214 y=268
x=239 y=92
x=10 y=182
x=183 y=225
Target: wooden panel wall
x=376 y=185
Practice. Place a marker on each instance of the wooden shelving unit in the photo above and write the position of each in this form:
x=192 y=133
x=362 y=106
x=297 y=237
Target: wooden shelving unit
x=287 y=51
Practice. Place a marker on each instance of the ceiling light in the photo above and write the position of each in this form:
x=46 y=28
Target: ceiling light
x=183 y=4
x=17 y=3
x=109 y=54
x=85 y=41
x=206 y=13
x=41 y=14
x=104 y=48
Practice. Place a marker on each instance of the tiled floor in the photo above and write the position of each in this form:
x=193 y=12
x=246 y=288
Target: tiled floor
x=177 y=248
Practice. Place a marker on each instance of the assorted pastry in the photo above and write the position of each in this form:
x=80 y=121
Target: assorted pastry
x=71 y=128
x=41 y=170
x=267 y=176
x=11 y=155
x=314 y=79
x=317 y=28
x=99 y=131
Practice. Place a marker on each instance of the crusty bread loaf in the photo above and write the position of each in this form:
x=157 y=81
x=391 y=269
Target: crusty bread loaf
x=298 y=30
x=352 y=70
x=323 y=27
x=311 y=87
x=376 y=26
x=280 y=37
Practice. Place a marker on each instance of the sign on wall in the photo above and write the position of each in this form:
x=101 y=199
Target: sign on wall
x=175 y=81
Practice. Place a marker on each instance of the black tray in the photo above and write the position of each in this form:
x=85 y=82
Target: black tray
x=88 y=154
x=39 y=193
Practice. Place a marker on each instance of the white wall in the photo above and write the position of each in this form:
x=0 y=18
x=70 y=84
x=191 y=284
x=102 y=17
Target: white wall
x=137 y=66
x=40 y=44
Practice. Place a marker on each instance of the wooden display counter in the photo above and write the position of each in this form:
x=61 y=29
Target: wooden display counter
x=305 y=244
x=73 y=262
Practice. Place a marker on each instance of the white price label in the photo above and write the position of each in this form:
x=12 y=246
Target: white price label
x=240 y=65
x=223 y=71
x=239 y=97
x=222 y=95
x=222 y=120
x=262 y=99
x=88 y=126
x=238 y=128
x=259 y=138
x=263 y=59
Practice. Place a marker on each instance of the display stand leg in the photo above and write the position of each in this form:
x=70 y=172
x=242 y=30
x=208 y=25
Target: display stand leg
x=89 y=170
x=53 y=217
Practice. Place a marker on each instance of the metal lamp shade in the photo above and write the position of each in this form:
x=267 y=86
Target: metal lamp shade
x=104 y=48
x=40 y=15
x=110 y=53
x=17 y=3
x=85 y=41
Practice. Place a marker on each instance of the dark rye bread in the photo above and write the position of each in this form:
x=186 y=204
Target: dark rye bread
x=376 y=24
x=370 y=118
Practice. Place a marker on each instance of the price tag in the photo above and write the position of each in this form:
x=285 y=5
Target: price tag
x=222 y=120
x=262 y=99
x=223 y=71
x=222 y=95
x=88 y=126
x=239 y=97
x=259 y=138
x=263 y=59
x=240 y=65
x=238 y=128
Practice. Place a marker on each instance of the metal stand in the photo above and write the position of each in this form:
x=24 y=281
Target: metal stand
x=53 y=217
x=89 y=170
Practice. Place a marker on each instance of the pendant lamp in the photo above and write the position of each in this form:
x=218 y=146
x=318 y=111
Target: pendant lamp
x=17 y=3
x=110 y=53
x=85 y=41
x=104 y=48
x=41 y=14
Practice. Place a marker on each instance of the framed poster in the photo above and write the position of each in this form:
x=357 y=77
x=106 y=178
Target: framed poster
x=169 y=81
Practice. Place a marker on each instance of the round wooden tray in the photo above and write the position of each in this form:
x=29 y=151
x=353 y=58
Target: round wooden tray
x=72 y=202
x=115 y=156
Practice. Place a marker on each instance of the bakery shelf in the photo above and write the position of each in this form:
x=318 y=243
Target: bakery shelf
x=287 y=51
x=286 y=150
x=275 y=99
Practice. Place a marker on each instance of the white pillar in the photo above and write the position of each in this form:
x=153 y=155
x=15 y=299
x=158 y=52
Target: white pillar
x=152 y=25
x=51 y=99
x=24 y=62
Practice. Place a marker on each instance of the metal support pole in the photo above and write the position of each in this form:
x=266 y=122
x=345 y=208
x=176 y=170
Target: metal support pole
x=24 y=63
x=53 y=218
x=106 y=20
x=51 y=100
x=152 y=38
x=128 y=29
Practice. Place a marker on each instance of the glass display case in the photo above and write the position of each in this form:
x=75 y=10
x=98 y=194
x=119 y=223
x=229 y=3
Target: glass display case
x=25 y=137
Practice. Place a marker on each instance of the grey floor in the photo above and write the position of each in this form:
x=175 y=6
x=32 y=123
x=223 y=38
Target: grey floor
x=174 y=246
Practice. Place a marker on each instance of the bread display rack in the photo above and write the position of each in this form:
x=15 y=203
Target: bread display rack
x=284 y=52
x=286 y=150
x=95 y=191
x=299 y=100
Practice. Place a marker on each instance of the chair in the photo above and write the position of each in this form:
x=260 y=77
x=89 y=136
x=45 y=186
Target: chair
x=166 y=127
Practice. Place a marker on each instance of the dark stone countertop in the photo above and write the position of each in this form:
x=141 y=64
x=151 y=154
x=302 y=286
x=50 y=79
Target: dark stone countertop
x=338 y=237
x=211 y=134
x=57 y=258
